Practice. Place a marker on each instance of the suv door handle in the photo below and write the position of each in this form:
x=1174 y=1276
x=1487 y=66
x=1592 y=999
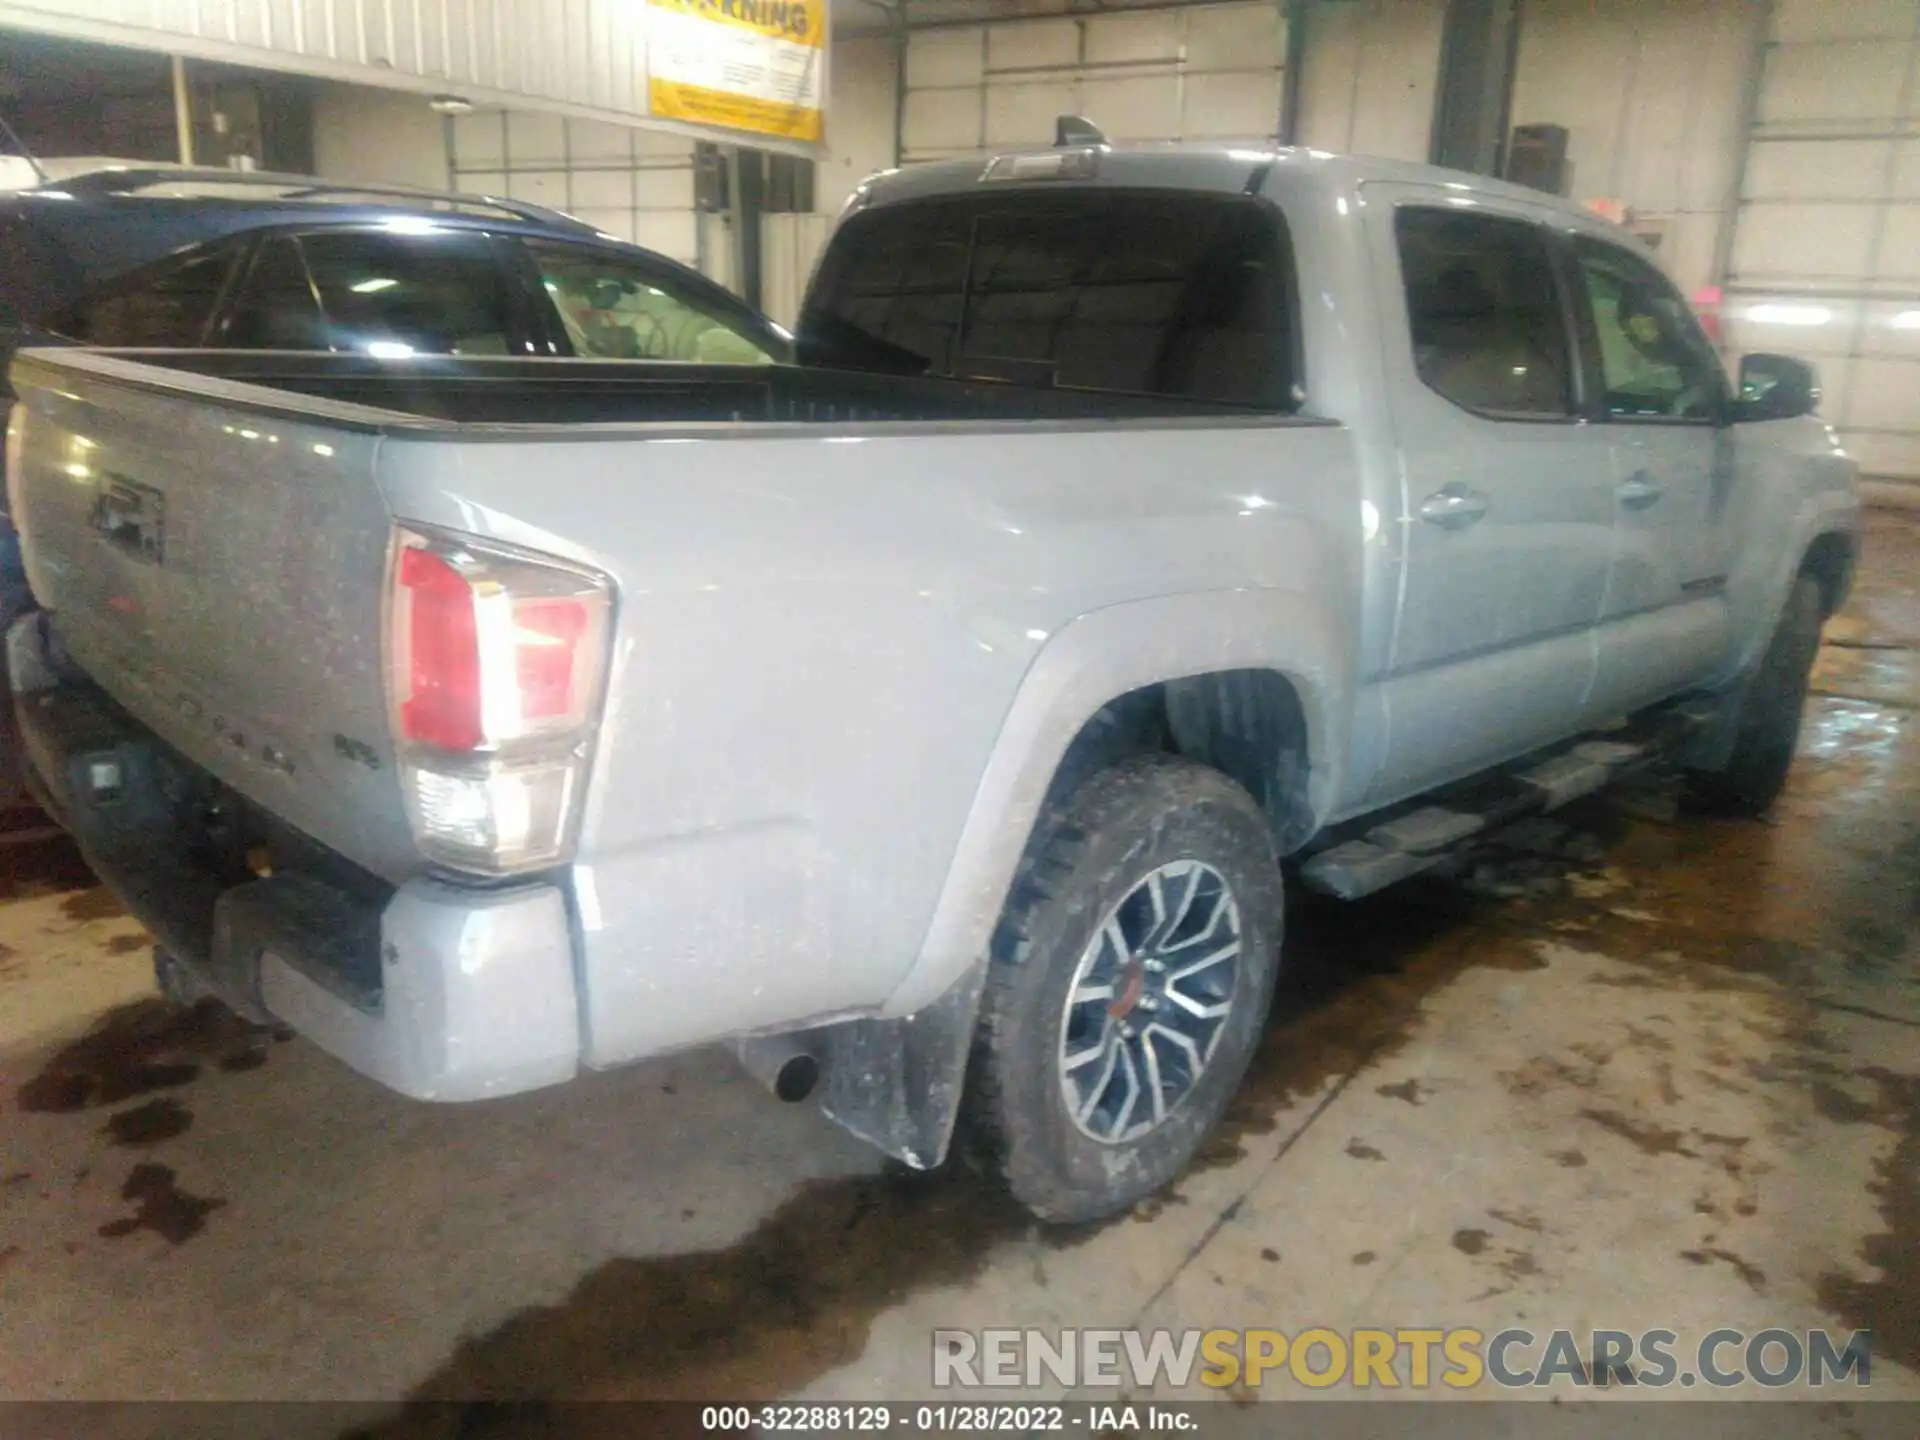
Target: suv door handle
x=1639 y=492
x=1453 y=507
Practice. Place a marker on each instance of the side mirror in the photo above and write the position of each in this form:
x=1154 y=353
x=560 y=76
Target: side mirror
x=1776 y=387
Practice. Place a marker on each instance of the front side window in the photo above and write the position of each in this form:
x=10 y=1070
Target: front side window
x=612 y=309
x=166 y=307
x=374 y=292
x=1147 y=294
x=1484 y=312
x=1654 y=362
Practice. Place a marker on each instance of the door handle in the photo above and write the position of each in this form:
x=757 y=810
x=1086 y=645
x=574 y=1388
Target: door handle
x=1639 y=491
x=1453 y=507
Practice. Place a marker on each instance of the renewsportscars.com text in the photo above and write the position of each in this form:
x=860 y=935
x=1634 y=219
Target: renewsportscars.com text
x=1319 y=1358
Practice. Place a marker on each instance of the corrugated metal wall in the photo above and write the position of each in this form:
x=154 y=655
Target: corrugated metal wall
x=1826 y=261
x=580 y=56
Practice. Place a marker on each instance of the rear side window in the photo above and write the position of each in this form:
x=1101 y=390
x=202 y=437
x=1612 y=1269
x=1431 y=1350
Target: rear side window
x=1489 y=332
x=1176 y=295
x=166 y=306
x=377 y=293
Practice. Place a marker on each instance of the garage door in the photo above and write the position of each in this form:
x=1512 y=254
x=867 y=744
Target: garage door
x=1202 y=73
x=636 y=184
x=1826 y=256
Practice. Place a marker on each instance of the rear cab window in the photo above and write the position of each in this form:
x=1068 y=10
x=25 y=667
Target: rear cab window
x=1147 y=293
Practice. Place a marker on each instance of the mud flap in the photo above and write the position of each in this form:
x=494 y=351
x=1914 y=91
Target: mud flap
x=897 y=1083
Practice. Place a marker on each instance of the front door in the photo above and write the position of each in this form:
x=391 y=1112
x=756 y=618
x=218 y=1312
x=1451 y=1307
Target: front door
x=1507 y=493
x=1660 y=394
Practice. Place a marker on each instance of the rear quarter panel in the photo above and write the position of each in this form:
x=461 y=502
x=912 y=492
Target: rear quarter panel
x=820 y=639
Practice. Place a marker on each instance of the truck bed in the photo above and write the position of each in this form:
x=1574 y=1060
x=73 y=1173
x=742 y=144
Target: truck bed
x=508 y=391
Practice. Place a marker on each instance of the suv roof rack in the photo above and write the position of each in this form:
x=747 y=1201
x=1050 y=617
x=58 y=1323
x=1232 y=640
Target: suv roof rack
x=119 y=179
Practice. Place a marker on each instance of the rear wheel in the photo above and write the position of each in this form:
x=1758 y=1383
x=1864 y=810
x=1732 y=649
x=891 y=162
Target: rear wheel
x=1769 y=719
x=1130 y=979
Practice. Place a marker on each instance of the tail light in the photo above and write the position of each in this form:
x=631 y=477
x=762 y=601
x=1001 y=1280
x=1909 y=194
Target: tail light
x=496 y=665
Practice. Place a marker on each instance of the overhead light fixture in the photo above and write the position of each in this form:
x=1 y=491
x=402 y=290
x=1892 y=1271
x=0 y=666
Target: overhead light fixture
x=450 y=105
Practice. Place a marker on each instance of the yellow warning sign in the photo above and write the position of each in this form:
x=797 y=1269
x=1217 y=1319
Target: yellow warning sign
x=757 y=66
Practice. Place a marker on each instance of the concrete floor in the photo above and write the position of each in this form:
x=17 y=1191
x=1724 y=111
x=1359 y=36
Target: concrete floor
x=1642 y=1071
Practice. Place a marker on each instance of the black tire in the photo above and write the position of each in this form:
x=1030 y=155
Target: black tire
x=1768 y=726
x=1094 y=849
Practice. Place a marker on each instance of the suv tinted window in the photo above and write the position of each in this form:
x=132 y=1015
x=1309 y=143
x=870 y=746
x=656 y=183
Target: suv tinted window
x=1654 y=361
x=441 y=293
x=168 y=305
x=1179 y=295
x=614 y=309
x=1484 y=311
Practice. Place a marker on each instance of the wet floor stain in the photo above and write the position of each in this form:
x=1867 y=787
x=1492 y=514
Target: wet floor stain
x=149 y=1124
x=129 y=944
x=1755 y=1277
x=99 y=903
x=148 y=1046
x=1889 y=1304
x=1470 y=1241
x=162 y=1207
x=44 y=867
x=1360 y=1150
x=756 y=1321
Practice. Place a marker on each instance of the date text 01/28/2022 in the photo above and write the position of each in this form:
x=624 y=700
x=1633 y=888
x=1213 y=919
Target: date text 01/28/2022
x=944 y=1419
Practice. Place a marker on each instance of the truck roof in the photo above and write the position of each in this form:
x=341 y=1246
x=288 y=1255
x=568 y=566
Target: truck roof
x=1183 y=167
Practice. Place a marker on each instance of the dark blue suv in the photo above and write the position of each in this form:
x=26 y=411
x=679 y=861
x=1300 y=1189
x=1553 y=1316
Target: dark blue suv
x=182 y=258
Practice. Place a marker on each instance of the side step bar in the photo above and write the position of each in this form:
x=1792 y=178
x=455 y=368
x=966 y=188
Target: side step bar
x=1413 y=839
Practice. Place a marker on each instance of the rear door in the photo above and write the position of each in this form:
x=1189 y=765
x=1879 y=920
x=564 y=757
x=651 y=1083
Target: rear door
x=1660 y=393
x=1507 y=492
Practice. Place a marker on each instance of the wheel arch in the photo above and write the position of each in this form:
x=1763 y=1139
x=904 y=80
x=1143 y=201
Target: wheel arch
x=1222 y=677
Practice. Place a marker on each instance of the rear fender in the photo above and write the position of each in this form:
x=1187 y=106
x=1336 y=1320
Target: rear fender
x=1087 y=664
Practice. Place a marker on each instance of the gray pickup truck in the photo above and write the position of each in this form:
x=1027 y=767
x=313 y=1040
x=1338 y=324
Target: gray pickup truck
x=934 y=719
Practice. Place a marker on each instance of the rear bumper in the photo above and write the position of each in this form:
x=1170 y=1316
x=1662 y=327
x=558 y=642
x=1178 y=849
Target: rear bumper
x=437 y=990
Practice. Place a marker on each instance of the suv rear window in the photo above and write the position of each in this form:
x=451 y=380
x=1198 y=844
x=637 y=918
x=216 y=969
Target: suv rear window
x=1150 y=294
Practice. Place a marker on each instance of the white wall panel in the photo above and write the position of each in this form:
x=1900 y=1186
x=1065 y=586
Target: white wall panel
x=1024 y=114
x=1817 y=170
x=1198 y=72
x=1226 y=106
x=1144 y=107
x=1830 y=216
x=1848 y=81
x=1780 y=242
x=635 y=184
x=1651 y=94
x=1369 y=78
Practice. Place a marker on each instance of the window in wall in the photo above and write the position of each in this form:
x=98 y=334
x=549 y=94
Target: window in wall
x=1484 y=312
x=613 y=309
x=1176 y=295
x=1654 y=362
x=166 y=306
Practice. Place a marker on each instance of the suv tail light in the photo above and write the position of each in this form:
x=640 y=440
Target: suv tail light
x=496 y=665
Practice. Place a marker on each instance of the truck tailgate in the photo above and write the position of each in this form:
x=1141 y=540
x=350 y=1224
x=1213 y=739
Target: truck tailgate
x=219 y=569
